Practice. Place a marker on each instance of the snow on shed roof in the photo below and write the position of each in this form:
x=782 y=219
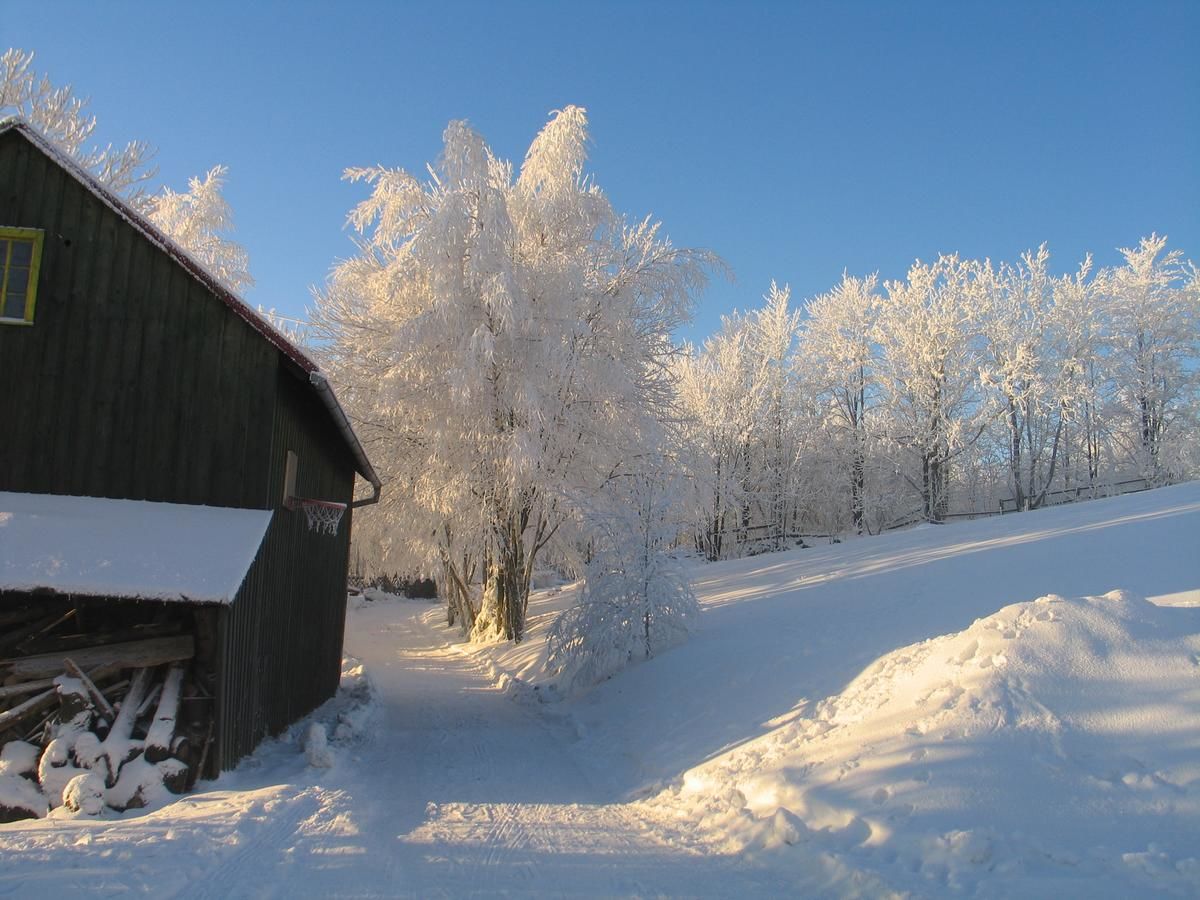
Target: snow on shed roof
x=93 y=546
x=306 y=364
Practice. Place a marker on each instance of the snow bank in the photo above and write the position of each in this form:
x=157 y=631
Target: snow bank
x=1051 y=738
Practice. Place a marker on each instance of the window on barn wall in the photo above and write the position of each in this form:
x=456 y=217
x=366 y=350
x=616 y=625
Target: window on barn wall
x=20 y=256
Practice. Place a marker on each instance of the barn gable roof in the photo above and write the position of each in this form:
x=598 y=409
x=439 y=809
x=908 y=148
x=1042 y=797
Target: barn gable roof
x=297 y=357
x=97 y=547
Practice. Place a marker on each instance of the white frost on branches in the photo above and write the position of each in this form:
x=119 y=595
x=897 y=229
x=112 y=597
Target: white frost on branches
x=63 y=118
x=195 y=220
x=1154 y=301
x=636 y=600
x=198 y=220
x=962 y=385
x=503 y=341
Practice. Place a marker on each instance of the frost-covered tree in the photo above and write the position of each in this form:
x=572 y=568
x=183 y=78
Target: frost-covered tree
x=736 y=394
x=62 y=116
x=927 y=334
x=772 y=339
x=1155 y=309
x=837 y=358
x=501 y=339
x=636 y=598
x=1079 y=332
x=198 y=220
x=717 y=397
x=1020 y=372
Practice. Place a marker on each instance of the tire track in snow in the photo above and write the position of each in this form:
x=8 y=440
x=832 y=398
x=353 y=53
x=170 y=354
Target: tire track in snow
x=280 y=821
x=497 y=801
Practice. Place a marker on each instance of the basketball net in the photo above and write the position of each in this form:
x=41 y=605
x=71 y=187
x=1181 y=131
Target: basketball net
x=324 y=516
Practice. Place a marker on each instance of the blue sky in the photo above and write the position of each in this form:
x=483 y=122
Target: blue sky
x=794 y=139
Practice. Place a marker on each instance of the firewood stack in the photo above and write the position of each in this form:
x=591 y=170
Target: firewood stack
x=109 y=715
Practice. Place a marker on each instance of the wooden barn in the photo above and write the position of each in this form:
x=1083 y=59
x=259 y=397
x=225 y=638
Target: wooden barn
x=159 y=446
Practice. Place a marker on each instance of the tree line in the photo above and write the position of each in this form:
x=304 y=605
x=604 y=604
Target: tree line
x=964 y=384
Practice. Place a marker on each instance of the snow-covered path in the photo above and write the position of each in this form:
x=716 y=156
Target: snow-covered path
x=474 y=794
x=459 y=791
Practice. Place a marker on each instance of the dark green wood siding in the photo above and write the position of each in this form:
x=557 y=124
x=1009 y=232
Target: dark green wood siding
x=281 y=640
x=135 y=380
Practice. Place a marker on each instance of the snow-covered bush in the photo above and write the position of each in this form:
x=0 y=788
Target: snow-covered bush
x=636 y=598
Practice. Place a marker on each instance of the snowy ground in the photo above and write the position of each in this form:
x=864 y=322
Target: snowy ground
x=984 y=709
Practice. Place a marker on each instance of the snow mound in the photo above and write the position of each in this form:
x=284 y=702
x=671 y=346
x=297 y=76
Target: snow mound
x=316 y=747
x=1050 y=735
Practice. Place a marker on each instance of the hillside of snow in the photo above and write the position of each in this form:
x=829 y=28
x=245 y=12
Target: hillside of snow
x=1010 y=705
x=1006 y=707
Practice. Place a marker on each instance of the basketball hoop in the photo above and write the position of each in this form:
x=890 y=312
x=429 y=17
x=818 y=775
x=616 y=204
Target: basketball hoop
x=324 y=516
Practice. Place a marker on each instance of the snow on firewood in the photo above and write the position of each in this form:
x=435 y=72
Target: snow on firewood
x=55 y=769
x=20 y=799
x=84 y=794
x=143 y=783
x=158 y=737
x=19 y=758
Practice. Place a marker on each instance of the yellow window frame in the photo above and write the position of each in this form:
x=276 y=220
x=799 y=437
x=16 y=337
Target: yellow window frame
x=34 y=235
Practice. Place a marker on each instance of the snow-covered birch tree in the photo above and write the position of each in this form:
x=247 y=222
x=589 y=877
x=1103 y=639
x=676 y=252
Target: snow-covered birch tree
x=1155 y=310
x=636 y=598
x=721 y=396
x=1079 y=334
x=1019 y=371
x=199 y=221
x=837 y=361
x=499 y=338
x=773 y=331
x=927 y=333
x=62 y=117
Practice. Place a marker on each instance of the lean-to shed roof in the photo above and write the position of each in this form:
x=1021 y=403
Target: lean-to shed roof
x=97 y=547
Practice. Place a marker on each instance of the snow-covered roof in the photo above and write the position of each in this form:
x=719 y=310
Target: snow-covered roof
x=92 y=546
x=243 y=310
